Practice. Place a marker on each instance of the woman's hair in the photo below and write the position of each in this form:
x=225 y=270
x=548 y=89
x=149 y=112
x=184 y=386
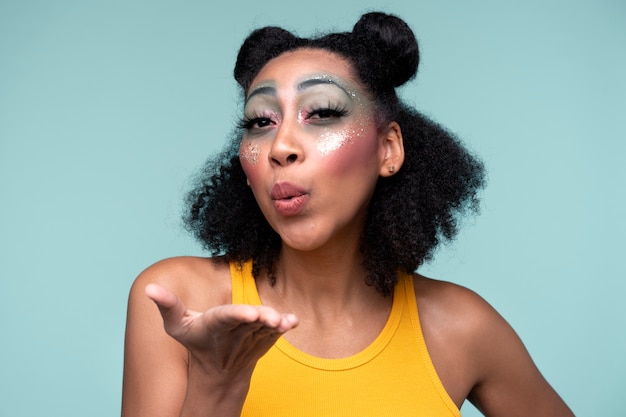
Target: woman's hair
x=410 y=213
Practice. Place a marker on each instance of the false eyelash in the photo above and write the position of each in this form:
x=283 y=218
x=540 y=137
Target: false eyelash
x=248 y=122
x=330 y=110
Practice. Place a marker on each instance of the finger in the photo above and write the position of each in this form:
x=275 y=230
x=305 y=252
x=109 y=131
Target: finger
x=275 y=320
x=253 y=318
x=171 y=308
x=230 y=316
x=288 y=322
x=269 y=316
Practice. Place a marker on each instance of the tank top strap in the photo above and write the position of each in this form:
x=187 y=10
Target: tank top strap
x=243 y=284
x=406 y=281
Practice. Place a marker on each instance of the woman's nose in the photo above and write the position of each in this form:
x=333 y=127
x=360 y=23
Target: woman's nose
x=286 y=147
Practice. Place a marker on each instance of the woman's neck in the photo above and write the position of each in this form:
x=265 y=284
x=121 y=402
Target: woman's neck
x=339 y=313
x=319 y=284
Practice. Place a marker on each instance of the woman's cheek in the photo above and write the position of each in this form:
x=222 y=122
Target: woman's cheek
x=330 y=142
x=355 y=144
x=249 y=152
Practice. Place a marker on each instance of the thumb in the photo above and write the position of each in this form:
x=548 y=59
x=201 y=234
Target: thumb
x=171 y=308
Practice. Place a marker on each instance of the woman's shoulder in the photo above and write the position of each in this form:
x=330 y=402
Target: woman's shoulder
x=199 y=282
x=458 y=315
x=446 y=301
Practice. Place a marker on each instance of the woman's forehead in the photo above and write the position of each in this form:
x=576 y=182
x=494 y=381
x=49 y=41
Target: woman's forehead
x=296 y=67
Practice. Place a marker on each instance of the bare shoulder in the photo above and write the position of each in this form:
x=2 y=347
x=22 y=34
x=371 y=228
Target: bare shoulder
x=437 y=293
x=199 y=282
x=450 y=307
x=479 y=356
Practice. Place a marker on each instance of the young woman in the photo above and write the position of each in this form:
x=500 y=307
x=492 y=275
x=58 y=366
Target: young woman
x=332 y=194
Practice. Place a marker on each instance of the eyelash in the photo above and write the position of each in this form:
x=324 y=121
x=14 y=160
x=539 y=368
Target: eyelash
x=330 y=111
x=248 y=123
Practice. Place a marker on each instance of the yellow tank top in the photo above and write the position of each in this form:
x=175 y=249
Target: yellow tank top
x=392 y=377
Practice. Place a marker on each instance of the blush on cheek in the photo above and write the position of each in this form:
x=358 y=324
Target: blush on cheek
x=355 y=146
x=359 y=134
x=249 y=152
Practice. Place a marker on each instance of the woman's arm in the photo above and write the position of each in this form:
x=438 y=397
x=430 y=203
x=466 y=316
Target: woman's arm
x=510 y=383
x=155 y=365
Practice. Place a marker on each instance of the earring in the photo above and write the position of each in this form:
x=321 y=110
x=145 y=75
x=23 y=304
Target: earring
x=392 y=169
x=248 y=182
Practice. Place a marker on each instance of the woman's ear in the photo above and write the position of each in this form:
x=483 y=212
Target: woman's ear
x=393 y=148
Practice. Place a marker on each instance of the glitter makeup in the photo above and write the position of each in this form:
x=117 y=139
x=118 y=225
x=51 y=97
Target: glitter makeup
x=250 y=152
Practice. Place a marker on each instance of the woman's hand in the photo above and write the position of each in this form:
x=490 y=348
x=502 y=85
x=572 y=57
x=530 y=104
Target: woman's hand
x=225 y=339
x=224 y=345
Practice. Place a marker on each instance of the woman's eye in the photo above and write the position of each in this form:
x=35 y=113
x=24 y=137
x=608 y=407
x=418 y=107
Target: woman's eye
x=327 y=113
x=255 y=123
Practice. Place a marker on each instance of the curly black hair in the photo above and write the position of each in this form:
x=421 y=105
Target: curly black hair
x=410 y=213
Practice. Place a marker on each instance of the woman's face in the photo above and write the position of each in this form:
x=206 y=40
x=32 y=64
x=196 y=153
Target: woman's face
x=310 y=149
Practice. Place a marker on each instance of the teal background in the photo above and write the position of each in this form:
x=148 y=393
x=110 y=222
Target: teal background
x=108 y=108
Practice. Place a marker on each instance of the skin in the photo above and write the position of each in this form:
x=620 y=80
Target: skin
x=195 y=353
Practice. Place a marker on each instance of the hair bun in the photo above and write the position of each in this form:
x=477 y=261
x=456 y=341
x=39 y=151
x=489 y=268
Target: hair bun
x=258 y=48
x=393 y=47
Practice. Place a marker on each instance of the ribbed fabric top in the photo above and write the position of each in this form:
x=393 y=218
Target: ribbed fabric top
x=393 y=376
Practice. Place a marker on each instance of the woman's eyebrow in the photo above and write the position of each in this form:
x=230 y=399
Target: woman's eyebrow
x=312 y=82
x=321 y=80
x=266 y=89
